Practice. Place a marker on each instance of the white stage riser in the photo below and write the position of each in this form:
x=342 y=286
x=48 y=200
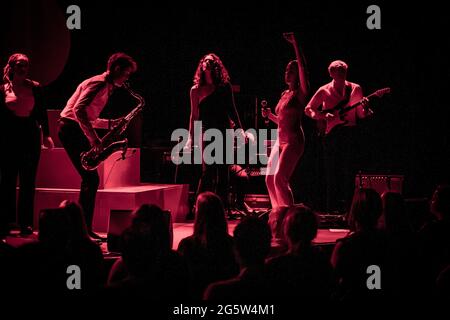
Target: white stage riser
x=168 y=197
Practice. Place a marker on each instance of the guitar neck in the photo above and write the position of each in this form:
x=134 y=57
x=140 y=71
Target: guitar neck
x=347 y=109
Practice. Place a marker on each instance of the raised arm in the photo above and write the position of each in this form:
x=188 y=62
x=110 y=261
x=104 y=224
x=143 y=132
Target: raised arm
x=304 y=83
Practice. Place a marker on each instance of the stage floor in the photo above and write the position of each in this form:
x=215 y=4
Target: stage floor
x=182 y=230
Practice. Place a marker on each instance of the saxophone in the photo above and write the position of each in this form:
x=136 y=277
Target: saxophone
x=113 y=141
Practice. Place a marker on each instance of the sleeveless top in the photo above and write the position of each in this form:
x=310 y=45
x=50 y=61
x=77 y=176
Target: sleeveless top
x=10 y=118
x=217 y=109
x=20 y=105
x=289 y=111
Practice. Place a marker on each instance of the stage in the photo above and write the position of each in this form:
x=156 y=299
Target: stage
x=120 y=189
x=185 y=229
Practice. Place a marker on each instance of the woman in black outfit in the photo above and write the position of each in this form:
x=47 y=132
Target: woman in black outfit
x=212 y=103
x=22 y=113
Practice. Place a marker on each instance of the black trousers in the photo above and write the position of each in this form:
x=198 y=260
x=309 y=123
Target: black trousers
x=341 y=164
x=224 y=180
x=75 y=142
x=21 y=150
x=215 y=179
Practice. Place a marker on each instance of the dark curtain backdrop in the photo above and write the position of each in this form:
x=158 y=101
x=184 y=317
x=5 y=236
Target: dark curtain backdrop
x=408 y=135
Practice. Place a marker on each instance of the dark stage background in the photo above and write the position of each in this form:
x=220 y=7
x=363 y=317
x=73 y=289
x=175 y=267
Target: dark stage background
x=408 y=134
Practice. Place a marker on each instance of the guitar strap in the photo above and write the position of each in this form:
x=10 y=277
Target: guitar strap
x=321 y=124
x=343 y=102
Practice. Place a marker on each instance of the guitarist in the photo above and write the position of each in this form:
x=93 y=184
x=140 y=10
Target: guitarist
x=81 y=116
x=340 y=143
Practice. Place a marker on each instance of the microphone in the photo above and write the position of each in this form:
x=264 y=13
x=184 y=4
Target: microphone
x=264 y=106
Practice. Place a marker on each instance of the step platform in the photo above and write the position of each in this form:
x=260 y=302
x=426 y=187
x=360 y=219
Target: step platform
x=167 y=196
x=119 y=188
x=55 y=170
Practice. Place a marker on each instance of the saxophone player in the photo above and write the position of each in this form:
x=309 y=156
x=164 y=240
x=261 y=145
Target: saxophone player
x=80 y=118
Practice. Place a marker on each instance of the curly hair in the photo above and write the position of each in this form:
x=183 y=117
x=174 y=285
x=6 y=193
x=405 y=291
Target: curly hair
x=7 y=70
x=121 y=60
x=219 y=72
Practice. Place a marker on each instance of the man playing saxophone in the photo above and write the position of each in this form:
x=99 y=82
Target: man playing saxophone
x=80 y=118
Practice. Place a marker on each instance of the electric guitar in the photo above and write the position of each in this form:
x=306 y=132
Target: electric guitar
x=327 y=125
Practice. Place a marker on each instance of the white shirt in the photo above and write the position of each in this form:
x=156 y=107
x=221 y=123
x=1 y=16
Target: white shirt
x=20 y=104
x=87 y=103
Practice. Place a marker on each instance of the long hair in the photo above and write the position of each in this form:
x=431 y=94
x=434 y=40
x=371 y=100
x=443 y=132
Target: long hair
x=219 y=72
x=396 y=219
x=440 y=204
x=365 y=210
x=295 y=64
x=146 y=244
x=210 y=226
x=55 y=228
x=159 y=222
x=8 y=74
x=78 y=227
